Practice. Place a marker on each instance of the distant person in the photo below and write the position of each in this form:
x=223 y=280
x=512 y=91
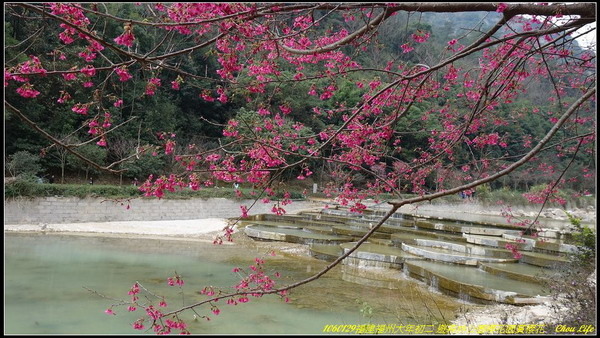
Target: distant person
x=469 y=195
x=135 y=182
x=91 y=182
x=51 y=179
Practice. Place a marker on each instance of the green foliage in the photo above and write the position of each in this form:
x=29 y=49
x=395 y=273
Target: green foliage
x=145 y=166
x=91 y=152
x=160 y=112
x=575 y=298
x=575 y=290
x=23 y=186
x=225 y=193
x=483 y=192
x=585 y=239
x=9 y=39
x=31 y=189
x=185 y=114
x=416 y=139
x=348 y=94
x=23 y=163
x=505 y=194
x=541 y=187
x=295 y=195
x=249 y=120
x=574 y=220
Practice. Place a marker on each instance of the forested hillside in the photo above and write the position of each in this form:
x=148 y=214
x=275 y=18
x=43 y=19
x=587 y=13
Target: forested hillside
x=195 y=110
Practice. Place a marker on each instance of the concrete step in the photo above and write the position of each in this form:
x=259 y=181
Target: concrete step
x=543 y=245
x=325 y=252
x=376 y=255
x=475 y=285
x=375 y=277
x=464 y=228
x=292 y=235
x=520 y=271
x=461 y=247
x=357 y=232
x=466 y=260
x=497 y=242
x=450 y=256
x=544 y=260
x=409 y=236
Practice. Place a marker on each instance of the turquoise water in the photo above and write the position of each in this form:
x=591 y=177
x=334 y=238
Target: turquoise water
x=46 y=276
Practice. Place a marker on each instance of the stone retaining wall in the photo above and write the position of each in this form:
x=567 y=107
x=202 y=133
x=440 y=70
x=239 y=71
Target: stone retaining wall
x=74 y=210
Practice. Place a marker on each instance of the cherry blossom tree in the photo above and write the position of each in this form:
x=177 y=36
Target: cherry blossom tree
x=447 y=116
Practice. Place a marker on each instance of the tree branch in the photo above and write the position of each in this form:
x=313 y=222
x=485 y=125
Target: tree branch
x=510 y=168
x=56 y=141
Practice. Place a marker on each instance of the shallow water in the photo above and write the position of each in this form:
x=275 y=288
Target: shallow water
x=46 y=276
x=472 y=276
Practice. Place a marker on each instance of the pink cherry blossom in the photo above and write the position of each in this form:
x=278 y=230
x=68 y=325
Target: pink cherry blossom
x=80 y=109
x=102 y=142
x=406 y=48
x=69 y=76
x=64 y=97
x=27 y=91
x=88 y=70
x=152 y=86
x=420 y=37
x=125 y=39
x=138 y=325
x=123 y=74
x=244 y=211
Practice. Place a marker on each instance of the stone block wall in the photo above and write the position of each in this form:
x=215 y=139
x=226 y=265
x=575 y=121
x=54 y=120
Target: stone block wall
x=73 y=210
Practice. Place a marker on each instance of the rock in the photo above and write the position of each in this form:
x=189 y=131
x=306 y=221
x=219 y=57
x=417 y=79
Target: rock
x=592 y=279
x=519 y=213
x=503 y=314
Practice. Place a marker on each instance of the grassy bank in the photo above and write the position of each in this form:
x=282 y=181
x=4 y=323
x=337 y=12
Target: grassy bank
x=31 y=189
x=28 y=189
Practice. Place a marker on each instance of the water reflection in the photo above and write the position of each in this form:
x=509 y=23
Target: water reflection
x=45 y=276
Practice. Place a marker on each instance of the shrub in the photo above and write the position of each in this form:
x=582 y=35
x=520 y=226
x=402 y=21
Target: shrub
x=575 y=291
x=23 y=186
x=23 y=163
x=483 y=193
x=508 y=196
x=26 y=187
x=585 y=239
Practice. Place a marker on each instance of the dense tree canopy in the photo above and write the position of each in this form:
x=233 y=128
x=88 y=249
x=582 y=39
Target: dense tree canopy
x=395 y=98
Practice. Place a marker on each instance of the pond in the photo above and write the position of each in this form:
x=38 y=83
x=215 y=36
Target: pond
x=47 y=277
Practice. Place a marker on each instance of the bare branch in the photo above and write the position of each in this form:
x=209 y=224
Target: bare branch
x=56 y=141
x=510 y=168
